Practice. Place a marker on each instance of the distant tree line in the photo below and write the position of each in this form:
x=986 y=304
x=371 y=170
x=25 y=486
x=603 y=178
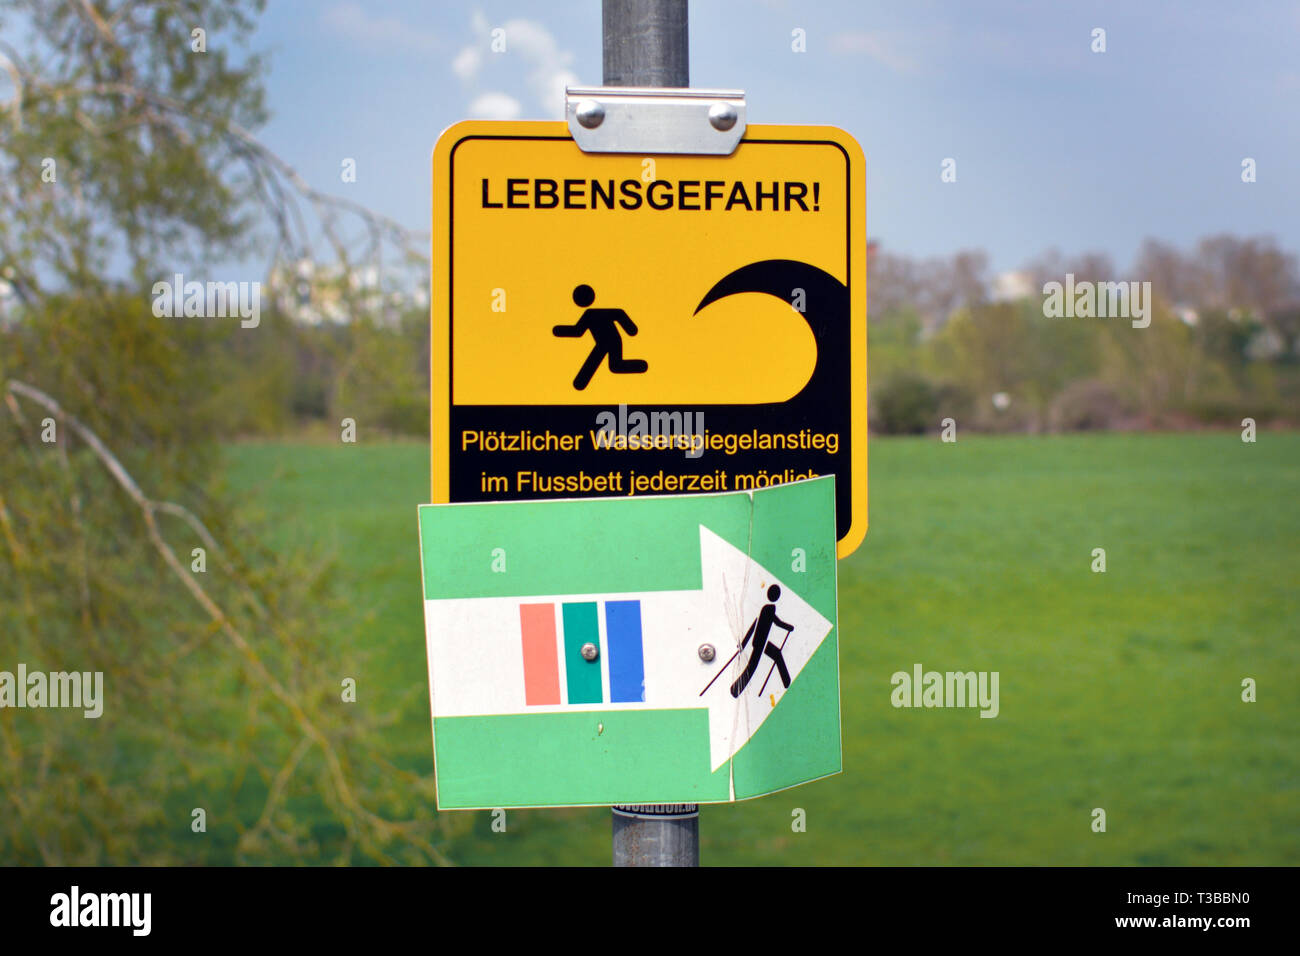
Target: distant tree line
x=946 y=339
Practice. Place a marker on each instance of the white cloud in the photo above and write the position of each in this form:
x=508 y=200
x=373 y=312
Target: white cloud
x=881 y=47
x=528 y=44
x=381 y=34
x=533 y=40
x=467 y=63
x=550 y=65
x=496 y=106
x=550 y=92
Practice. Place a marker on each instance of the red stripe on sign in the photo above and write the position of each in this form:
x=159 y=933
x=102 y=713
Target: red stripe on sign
x=541 y=658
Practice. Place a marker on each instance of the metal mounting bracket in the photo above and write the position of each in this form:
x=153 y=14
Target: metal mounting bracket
x=638 y=119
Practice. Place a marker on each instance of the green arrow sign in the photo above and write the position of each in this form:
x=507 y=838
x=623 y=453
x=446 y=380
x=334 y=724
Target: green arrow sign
x=632 y=650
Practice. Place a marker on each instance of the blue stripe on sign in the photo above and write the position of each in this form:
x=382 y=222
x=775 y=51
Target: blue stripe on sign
x=626 y=658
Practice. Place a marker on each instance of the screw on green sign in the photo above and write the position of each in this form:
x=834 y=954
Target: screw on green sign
x=577 y=677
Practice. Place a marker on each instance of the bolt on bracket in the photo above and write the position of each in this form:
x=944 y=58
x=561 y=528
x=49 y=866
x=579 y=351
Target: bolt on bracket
x=637 y=119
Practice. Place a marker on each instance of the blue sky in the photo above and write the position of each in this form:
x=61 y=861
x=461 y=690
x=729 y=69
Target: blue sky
x=1056 y=146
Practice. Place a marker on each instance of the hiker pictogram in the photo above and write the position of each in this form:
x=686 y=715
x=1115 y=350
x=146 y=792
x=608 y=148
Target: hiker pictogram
x=603 y=324
x=761 y=631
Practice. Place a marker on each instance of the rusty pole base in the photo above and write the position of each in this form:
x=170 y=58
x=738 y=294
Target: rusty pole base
x=657 y=835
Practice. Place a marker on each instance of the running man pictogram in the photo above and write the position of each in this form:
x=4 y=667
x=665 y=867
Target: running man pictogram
x=603 y=324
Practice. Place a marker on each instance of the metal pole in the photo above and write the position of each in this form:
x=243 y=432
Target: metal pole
x=658 y=835
x=645 y=44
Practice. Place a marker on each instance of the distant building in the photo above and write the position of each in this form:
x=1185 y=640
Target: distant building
x=7 y=300
x=314 y=294
x=1013 y=286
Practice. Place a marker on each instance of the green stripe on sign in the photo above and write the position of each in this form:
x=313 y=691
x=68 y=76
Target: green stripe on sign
x=524 y=548
x=564 y=759
x=580 y=627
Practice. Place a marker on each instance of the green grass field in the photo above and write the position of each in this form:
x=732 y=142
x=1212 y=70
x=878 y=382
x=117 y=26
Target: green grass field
x=1119 y=690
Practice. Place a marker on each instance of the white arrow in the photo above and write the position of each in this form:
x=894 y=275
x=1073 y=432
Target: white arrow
x=476 y=661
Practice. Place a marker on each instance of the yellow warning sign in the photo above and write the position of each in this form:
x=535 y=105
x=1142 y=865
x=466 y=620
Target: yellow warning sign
x=648 y=324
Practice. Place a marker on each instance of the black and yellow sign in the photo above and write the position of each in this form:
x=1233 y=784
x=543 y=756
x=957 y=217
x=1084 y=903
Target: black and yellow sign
x=619 y=324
